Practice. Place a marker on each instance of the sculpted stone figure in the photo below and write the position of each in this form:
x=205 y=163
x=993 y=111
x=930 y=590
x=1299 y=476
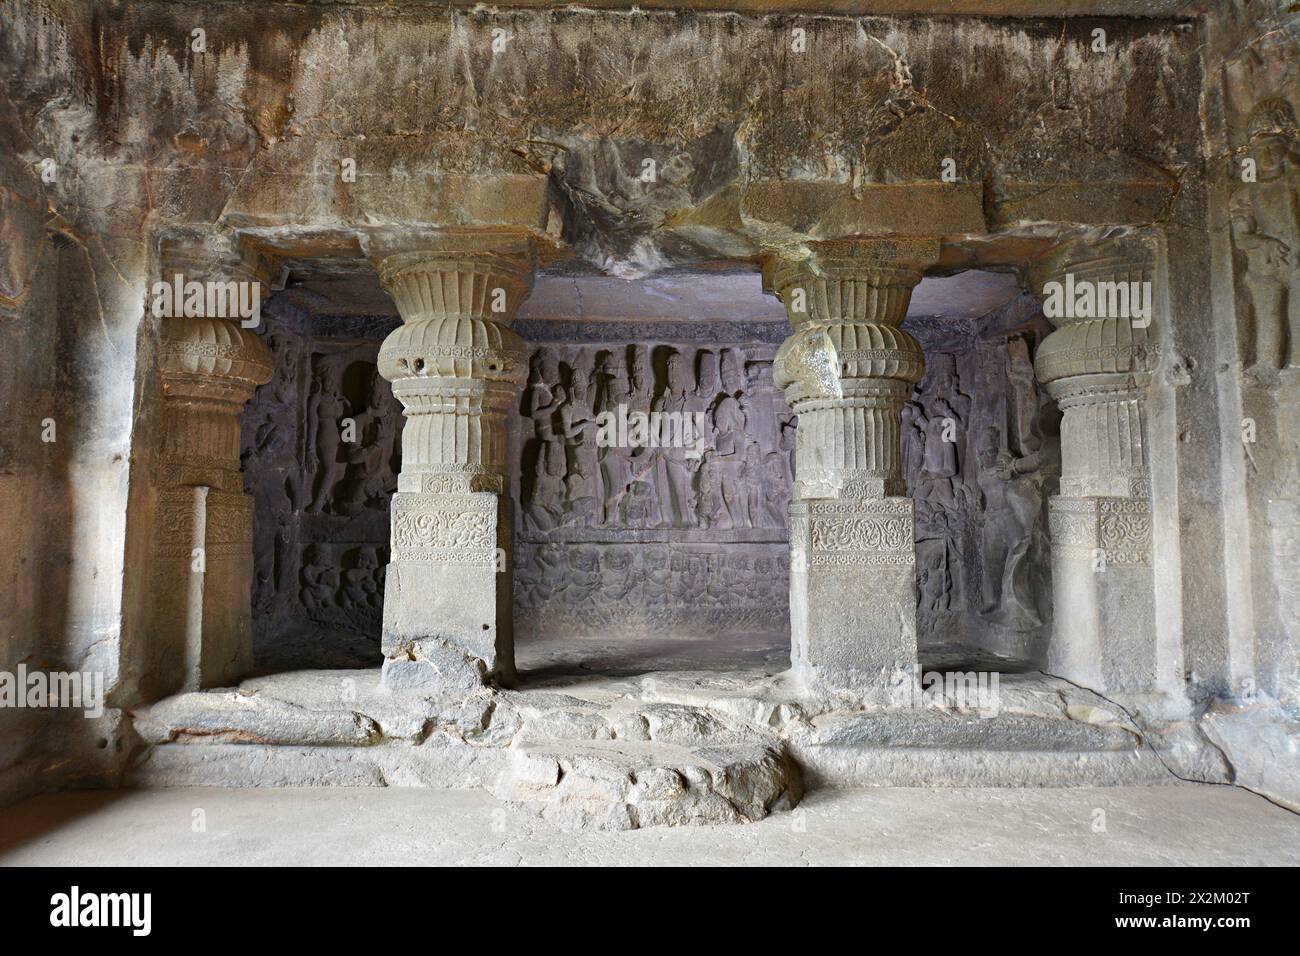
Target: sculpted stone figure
x=545 y=506
x=707 y=383
x=750 y=485
x=1265 y=216
x=710 y=509
x=938 y=419
x=641 y=380
x=539 y=401
x=361 y=582
x=1013 y=501
x=729 y=427
x=618 y=576
x=675 y=469
x=776 y=489
x=369 y=475
x=613 y=464
x=325 y=411
x=582 y=481
x=639 y=509
x=320 y=580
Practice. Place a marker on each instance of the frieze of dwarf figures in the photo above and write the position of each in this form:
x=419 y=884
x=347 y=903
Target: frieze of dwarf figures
x=600 y=577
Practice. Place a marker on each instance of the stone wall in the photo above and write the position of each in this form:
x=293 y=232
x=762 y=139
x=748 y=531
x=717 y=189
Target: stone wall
x=321 y=451
x=625 y=539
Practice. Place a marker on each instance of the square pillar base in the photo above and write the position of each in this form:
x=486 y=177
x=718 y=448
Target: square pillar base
x=1103 y=593
x=447 y=593
x=853 y=595
x=202 y=594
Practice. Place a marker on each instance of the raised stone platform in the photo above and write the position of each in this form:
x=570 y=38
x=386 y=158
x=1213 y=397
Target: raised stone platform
x=585 y=751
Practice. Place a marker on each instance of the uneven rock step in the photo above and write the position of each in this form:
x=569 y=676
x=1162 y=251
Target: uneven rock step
x=941 y=749
x=234 y=717
x=685 y=748
x=623 y=785
x=441 y=762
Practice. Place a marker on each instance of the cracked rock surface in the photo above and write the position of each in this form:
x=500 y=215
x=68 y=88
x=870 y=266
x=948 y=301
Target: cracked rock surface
x=623 y=752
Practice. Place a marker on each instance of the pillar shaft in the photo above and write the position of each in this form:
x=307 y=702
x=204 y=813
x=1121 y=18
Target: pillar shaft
x=209 y=366
x=1098 y=365
x=457 y=368
x=847 y=371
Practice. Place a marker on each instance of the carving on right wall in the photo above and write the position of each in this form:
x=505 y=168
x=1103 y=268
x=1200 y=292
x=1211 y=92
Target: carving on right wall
x=981 y=454
x=1264 y=212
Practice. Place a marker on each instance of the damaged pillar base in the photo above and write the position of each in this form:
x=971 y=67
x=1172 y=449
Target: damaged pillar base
x=853 y=595
x=1104 y=602
x=447 y=621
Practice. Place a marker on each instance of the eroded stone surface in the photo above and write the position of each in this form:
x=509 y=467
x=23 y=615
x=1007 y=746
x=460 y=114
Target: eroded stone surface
x=661 y=750
x=1168 y=156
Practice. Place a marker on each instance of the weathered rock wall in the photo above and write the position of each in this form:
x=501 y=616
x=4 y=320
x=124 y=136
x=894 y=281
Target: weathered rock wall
x=756 y=148
x=321 y=451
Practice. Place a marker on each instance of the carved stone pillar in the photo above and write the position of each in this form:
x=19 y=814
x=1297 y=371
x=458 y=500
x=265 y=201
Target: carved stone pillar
x=457 y=369
x=847 y=371
x=1098 y=366
x=209 y=365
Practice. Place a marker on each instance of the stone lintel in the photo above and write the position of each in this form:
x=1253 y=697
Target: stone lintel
x=1096 y=203
x=786 y=214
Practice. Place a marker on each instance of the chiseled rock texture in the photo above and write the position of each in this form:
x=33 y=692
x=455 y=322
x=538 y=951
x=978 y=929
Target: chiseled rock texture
x=610 y=753
x=121 y=138
x=1262 y=742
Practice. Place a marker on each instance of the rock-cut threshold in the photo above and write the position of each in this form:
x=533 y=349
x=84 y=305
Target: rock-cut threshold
x=622 y=753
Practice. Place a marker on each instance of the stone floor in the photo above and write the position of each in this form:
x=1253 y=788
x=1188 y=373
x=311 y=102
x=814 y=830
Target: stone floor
x=1176 y=825
x=628 y=654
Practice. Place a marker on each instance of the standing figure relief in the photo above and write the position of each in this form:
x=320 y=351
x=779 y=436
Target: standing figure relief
x=1264 y=213
x=695 y=449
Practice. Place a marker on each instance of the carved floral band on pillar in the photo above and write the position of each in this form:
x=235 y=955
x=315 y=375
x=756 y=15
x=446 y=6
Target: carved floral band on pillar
x=1098 y=365
x=847 y=371
x=457 y=368
x=209 y=367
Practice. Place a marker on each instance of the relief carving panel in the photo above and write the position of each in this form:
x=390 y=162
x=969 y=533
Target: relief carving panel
x=981 y=454
x=653 y=485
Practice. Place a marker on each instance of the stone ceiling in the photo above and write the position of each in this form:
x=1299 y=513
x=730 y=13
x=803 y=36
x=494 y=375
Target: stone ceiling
x=705 y=295
x=994 y=8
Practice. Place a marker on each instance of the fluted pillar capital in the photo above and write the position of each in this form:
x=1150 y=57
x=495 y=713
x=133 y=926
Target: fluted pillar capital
x=1099 y=293
x=455 y=364
x=848 y=281
x=848 y=368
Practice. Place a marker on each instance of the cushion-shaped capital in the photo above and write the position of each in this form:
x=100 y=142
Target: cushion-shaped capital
x=454 y=347
x=1093 y=347
x=211 y=348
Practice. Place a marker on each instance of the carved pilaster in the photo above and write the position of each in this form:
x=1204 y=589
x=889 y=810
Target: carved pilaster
x=457 y=368
x=209 y=365
x=847 y=371
x=1098 y=365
